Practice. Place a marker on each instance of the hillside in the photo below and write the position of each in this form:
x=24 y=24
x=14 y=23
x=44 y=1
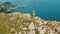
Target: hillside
x=24 y=23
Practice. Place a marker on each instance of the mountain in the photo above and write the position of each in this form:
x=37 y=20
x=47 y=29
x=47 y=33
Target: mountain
x=8 y=4
x=6 y=7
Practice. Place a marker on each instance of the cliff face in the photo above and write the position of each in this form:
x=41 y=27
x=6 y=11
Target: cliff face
x=18 y=23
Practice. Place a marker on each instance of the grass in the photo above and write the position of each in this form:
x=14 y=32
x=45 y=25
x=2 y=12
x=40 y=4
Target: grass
x=4 y=22
x=17 y=23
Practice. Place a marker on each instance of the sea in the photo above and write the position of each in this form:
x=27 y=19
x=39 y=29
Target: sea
x=45 y=9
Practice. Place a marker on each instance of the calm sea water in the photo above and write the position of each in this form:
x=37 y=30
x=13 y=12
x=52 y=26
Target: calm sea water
x=46 y=9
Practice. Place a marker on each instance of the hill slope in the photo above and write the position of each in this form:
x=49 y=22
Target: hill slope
x=18 y=23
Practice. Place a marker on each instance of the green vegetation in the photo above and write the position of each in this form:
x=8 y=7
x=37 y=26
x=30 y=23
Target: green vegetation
x=36 y=31
x=15 y=22
x=46 y=33
x=4 y=29
x=6 y=24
